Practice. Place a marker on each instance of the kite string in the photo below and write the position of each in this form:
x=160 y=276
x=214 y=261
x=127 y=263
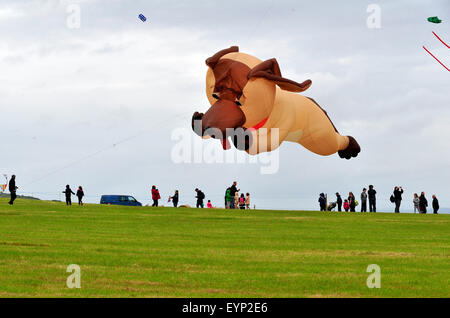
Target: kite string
x=257 y=26
x=105 y=149
x=436 y=58
x=440 y=39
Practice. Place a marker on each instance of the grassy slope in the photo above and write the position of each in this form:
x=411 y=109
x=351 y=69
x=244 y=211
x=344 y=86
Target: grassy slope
x=163 y=252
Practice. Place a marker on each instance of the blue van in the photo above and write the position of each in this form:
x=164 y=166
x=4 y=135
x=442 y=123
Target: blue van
x=127 y=200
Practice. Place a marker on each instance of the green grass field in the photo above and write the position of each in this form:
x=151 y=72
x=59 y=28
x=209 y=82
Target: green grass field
x=166 y=252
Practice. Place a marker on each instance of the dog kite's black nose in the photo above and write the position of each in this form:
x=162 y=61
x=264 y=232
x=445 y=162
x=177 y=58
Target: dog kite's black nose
x=197 y=127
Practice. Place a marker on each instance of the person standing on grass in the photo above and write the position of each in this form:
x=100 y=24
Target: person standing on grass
x=209 y=204
x=416 y=201
x=346 y=205
x=236 y=200
x=339 y=201
x=322 y=202
x=228 y=198
x=68 y=193
x=364 y=200
x=372 y=199
x=423 y=203
x=225 y=198
x=12 y=189
x=435 y=204
x=242 y=202
x=200 y=197
x=174 y=199
x=247 y=201
x=80 y=195
x=351 y=201
x=155 y=196
x=398 y=191
x=233 y=190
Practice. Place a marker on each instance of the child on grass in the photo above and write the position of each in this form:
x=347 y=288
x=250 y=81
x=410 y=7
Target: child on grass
x=346 y=205
x=247 y=201
x=236 y=200
x=242 y=202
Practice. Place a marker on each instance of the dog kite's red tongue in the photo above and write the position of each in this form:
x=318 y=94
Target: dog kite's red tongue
x=225 y=144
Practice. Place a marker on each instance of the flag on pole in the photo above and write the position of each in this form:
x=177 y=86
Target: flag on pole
x=4 y=186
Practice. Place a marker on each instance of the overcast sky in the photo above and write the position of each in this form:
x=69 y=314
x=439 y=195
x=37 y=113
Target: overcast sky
x=97 y=105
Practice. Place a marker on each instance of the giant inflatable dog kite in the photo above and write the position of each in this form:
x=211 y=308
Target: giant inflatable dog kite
x=245 y=92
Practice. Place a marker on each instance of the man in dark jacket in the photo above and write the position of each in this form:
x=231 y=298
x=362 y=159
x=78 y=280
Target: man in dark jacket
x=200 y=197
x=339 y=201
x=398 y=191
x=423 y=203
x=435 y=204
x=175 y=199
x=68 y=193
x=322 y=202
x=233 y=191
x=372 y=199
x=12 y=189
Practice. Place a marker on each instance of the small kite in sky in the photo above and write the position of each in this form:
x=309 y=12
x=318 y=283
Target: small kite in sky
x=142 y=17
x=448 y=46
x=434 y=20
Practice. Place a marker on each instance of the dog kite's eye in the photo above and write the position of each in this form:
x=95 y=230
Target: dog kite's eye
x=238 y=102
x=215 y=95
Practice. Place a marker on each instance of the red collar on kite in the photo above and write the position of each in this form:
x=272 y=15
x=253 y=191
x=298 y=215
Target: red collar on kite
x=259 y=125
x=226 y=144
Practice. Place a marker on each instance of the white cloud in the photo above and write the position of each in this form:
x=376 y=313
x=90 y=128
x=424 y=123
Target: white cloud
x=9 y=13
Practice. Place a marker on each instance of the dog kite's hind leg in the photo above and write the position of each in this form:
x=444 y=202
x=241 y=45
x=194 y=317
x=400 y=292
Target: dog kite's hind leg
x=352 y=149
x=323 y=138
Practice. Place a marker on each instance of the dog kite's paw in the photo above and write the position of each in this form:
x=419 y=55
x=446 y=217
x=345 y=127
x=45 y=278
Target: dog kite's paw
x=352 y=150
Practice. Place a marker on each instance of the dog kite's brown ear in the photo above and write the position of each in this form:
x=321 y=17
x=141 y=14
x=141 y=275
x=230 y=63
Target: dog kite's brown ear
x=271 y=70
x=212 y=61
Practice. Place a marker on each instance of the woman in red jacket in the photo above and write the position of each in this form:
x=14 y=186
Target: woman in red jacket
x=155 y=196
